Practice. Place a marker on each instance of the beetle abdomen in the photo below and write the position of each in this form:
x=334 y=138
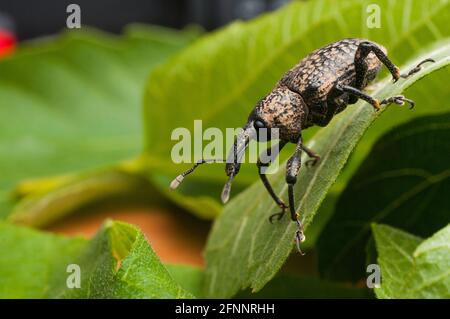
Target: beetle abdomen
x=315 y=75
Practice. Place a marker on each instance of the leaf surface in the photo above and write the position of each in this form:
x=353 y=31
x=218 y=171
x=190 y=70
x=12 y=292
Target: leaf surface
x=73 y=104
x=412 y=267
x=117 y=263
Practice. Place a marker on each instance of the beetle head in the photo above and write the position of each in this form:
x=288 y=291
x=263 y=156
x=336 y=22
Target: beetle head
x=281 y=109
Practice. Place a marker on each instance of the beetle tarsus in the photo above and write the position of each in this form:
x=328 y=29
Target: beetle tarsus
x=416 y=69
x=313 y=161
x=399 y=100
x=278 y=215
x=299 y=237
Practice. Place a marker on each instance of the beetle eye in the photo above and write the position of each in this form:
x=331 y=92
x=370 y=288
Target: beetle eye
x=259 y=124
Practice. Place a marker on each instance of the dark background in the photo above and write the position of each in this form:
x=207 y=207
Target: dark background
x=33 y=18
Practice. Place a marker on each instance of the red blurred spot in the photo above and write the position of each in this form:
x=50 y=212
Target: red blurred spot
x=7 y=43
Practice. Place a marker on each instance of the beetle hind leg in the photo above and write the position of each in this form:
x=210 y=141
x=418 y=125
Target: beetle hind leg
x=361 y=67
x=363 y=51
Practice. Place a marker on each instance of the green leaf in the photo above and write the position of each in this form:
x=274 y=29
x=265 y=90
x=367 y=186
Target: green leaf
x=32 y=263
x=403 y=182
x=116 y=263
x=72 y=103
x=220 y=78
x=412 y=268
x=189 y=277
x=47 y=200
x=119 y=263
x=245 y=243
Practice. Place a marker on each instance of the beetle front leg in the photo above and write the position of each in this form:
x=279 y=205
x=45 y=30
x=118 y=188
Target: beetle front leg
x=272 y=153
x=292 y=168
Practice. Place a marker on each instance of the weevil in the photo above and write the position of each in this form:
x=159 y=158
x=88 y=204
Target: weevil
x=311 y=93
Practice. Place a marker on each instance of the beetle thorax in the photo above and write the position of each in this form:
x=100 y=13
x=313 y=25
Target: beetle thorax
x=285 y=110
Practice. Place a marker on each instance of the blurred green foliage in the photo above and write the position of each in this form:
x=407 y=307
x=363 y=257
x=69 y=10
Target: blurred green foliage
x=117 y=263
x=73 y=104
x=403 y=182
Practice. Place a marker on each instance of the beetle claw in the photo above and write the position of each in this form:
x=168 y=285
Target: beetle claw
x=278 y=215
x=299 y=237
x=312 y=162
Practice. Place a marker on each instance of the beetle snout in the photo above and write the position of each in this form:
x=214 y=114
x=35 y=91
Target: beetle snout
x=235 y=156
x=237 y=152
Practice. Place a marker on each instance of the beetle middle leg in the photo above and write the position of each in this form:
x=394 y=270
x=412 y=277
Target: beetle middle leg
x=398 y=99
x=292 y=168
x=331 y=106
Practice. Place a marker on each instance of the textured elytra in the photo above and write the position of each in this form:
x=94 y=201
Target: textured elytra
x=302 y=97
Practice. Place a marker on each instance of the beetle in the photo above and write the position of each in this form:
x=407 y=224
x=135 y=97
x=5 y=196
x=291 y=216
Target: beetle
x=311 y=93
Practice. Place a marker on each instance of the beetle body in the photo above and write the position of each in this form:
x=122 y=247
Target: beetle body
x=304 y=95
x=311 y=93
